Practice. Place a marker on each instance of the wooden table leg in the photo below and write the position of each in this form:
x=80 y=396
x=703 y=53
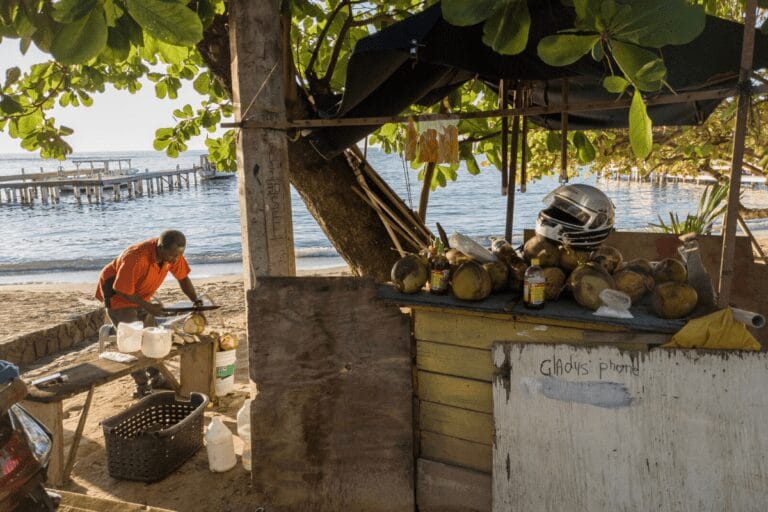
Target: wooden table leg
x=169 y=377
x=78 y=434
x=198 y=370
x=52 y=416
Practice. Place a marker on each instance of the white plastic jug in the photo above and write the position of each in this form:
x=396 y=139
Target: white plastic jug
x=156 y=342
x=220 y=446
x=129 y=336
x=225 y=371
x=244 y=432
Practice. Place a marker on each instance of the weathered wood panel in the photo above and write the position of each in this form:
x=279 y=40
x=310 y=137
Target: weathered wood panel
x=453 y=360
x=456 y=452
x=332 y=423
x=460 y=423
x=444 y=488
x=469 y=394
x=606 y=430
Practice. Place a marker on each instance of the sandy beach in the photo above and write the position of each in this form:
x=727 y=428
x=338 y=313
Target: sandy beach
x=32 y=307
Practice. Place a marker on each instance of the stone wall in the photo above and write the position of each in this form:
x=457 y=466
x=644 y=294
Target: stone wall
x=27 y=348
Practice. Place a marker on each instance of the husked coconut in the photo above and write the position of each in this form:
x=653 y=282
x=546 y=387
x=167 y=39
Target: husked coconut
x=471 y=282
x=456 y=257
x=194 y=324
x=639 y=265
x=633 y=283
x=506 y=253
x=228 y=342
x=555 y=282
x=571 y=258
x=545 y=250
x=499 y=274
x=409 y=273
x=607 y=257
x=587 y=284
x=670 y=269
x=674 y=300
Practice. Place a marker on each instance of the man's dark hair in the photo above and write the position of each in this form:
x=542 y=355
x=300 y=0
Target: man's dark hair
x=172 y=238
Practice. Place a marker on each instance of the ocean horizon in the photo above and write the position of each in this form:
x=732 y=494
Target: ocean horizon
x=67 y=242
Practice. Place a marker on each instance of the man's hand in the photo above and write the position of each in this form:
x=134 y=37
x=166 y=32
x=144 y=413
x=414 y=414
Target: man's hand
x=198 y=302
x=154 y=309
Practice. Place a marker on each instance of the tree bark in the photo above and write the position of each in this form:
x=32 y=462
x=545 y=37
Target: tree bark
x=325 y=186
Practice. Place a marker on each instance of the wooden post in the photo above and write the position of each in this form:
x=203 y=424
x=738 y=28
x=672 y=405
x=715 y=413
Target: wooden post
x=513 y=168
x=504 y=137
x=731 y=215
x=262 y=155
x=524 y=158
x=564 y=135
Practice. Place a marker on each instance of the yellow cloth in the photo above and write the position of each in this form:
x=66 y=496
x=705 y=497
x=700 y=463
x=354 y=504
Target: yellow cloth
x=714 y=331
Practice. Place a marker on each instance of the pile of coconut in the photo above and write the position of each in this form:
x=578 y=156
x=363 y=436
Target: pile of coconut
x=578 y=273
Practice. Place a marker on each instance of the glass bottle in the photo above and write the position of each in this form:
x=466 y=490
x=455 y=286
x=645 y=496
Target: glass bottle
x=439 y=270
x=534 y=284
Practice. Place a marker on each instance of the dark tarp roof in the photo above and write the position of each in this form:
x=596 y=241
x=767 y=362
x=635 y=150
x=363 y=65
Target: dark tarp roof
x=422 y=58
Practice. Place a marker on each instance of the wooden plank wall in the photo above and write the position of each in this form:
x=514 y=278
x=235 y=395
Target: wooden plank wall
x=332 y=425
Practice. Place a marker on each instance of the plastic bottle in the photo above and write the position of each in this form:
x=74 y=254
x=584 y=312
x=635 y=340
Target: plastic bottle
x=534 y=284
x=220 y=446
x=244 y=432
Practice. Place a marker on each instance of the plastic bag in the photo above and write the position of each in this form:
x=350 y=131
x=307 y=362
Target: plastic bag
x=471 y=248
x=616 y=304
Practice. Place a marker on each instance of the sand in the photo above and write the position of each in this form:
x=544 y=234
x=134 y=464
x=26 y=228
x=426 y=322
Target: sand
x=191 y=488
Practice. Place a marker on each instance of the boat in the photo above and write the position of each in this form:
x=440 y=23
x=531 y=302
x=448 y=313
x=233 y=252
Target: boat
x=208 y=172
x=99 y=167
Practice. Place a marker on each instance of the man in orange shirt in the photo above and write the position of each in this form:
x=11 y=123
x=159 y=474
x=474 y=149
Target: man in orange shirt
x=127 y=284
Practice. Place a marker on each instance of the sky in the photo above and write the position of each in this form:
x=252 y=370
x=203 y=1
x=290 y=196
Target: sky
x=117 y=120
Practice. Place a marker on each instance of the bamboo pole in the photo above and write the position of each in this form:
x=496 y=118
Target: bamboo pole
x=397 y=226
x=731 y=215
x=383 y=218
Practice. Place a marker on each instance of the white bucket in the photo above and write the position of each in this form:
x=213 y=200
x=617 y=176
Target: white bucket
x=156 y=342
x=225 y=372
x=129 y=336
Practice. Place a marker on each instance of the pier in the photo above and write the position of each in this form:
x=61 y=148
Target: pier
x=94 y=184
x=659 y=178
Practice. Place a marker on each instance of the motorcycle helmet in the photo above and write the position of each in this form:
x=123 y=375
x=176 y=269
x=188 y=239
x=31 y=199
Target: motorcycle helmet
x=578 y=216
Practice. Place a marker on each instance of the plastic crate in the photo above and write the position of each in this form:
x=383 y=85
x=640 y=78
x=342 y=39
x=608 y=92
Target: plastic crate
x=154 y=437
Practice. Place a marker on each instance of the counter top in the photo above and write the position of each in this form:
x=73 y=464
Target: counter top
x=510 y=303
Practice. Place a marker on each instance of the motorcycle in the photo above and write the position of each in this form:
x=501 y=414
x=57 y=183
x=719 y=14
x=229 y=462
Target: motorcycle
x=25 y=449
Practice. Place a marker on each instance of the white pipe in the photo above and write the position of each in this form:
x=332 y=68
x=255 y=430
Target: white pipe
x=749 y=318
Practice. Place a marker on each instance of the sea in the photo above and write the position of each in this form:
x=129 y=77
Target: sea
x=67 y=242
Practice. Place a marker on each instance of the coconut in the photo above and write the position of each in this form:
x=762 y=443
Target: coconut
x=456 y=257
x=517 y=276
x=607 y=257
x=674 y=300
x=506 y=253
x=409 y=274
x=633 y=283
x=555 y=282
x=571 y=258
x=471 y=282
x=542 y=248
x=228 y=342
x=639 y=265
x=499 y=274
x=586 y=283
x=670 y=269
x=194 y=324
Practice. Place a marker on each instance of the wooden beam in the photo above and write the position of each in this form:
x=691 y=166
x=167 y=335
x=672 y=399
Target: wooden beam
x=662 y=99
x=504 y=137
x=734 y=189
x=512 y=171
x=564 y=135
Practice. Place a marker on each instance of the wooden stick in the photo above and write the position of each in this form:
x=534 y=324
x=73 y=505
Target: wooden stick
x=751 y=236
x=399 y=221
x=425 y=188
x=384 y=220
x=504 y=137
x=524 y=159
x=78 y=435
x=512 y=179
x=729 y=226
x=564 y=135
x=397 y=227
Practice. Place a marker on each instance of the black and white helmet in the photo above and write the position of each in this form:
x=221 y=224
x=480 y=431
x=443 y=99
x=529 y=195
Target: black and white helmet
x=579 y=216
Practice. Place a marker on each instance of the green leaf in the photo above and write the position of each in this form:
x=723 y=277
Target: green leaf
x=12 y=75
x=464 y=13
x=506 y=31
x=657 y=23
x=112 y=12
x=631 y=59
x=561 y=50
x=554 y=141
x=597 y=52
x=167 y=20
x=615 y=84
x=78 y=42
x=10 y=106
x=640 y=127
x=67 y=11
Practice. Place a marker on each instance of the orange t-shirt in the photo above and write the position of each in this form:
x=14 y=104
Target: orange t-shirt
x=136 y=272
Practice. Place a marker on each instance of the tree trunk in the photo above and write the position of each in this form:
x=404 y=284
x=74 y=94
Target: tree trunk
x=325 y=186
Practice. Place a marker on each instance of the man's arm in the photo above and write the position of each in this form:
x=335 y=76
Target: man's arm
x=189 y=290
x=151 y=307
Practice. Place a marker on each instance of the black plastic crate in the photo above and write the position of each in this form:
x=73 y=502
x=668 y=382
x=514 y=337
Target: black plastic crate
x=155 y=436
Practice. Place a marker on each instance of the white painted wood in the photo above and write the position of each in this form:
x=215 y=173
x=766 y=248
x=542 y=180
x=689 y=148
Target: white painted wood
x=605 y=430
